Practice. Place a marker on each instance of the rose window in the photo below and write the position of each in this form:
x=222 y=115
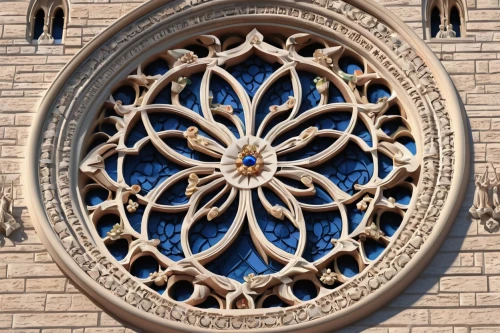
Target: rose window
x=249 y=172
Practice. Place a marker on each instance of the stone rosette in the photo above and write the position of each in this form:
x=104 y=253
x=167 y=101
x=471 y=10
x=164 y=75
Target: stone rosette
x=367 y=28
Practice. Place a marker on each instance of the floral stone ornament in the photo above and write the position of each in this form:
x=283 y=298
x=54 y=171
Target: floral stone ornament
x=257 y=180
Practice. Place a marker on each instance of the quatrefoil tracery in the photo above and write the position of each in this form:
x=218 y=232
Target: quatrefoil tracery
x=176 y=203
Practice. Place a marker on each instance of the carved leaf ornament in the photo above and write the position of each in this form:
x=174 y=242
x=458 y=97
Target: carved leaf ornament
x=253 y=178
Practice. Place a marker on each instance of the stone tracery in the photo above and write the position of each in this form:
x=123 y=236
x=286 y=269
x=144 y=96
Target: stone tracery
x=306 y=157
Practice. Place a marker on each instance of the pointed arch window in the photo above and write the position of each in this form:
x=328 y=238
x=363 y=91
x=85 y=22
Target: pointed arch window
x=455 y=20
x=39 y=23
x=58 y=26
x=435 y=21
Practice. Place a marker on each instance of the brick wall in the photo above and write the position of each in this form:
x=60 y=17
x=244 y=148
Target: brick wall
x=459 y=292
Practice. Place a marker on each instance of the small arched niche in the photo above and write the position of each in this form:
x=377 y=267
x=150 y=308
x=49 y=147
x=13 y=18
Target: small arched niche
x=47 y=21
x=451 y=14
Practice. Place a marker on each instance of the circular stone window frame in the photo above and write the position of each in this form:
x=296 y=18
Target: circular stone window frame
x=70 y=97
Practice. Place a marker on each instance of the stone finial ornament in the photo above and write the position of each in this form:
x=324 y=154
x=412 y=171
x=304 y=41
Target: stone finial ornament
x=486 y=203
x=7 y=221
x=45 y=38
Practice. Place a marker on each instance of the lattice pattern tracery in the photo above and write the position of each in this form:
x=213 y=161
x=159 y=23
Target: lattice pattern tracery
x=345 y=160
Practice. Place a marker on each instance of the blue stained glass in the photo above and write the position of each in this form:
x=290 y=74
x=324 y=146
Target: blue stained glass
x=305 y=290
x=175 y=194
x=106 y=223
x=156 y=67
x=118 y=249
x=148 y=169
x=96 y=195
x=310 y=95
x=390 y=222
x=347 y=265
x=209 y=303
x=377 y=91
x=241 y=259
x=385 y=165
x=224 y=94
x=308 y=50
x=282 y=233
x=135 y=218
x=361 y=131
x=334 y=94
x=200 y=50
x=181 y=146
x=327 y=121
x=108 y=128
x=252 y=73
x=273 y=301
x=315 y=147
x=349 y=65
x=393 y=111
x=228 y=123
x=321 y=197
x=158 y=289
x=96 y=140
x=126 y=94
x=277 y=94
x=408 y=143
x=354 y=216
x=181 y=290
x=162 y=121
x=164 y=96
x=204 y=233
x=143 y=266
x=137 y=133
x=373 y=249
x=391 y=126
x=111 y=166
x=321 y=227
x=190 y=95
x=167 y=228
x=402 y=194
x=350 y=167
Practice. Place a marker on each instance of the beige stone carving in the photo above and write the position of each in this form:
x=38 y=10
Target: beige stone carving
x=486 y=204
x=434 y=118
x=45 y=37
x=7 y=221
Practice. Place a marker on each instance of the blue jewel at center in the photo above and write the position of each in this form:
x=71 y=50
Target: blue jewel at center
x=249 y=161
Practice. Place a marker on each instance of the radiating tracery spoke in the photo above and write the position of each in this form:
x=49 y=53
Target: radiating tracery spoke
x=251 y=165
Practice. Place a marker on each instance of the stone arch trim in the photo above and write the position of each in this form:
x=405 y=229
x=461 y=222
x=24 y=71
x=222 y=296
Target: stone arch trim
x=368 y=27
